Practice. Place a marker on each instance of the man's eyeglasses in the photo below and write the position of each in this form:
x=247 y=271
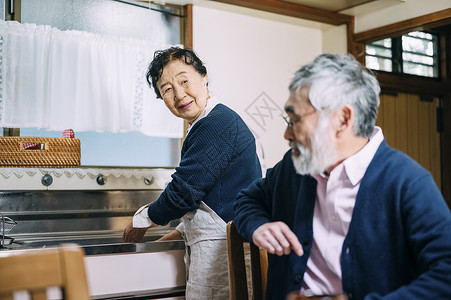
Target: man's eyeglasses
x=290 y=122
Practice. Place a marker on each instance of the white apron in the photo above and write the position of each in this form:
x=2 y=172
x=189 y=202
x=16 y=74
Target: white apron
x=205 y=237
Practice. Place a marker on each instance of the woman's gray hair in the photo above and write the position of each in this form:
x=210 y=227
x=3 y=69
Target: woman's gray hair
x=337 y=80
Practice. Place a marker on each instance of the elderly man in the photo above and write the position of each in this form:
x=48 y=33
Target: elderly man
x=343 y=213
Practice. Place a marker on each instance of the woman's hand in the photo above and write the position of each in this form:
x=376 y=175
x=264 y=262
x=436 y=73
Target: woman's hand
x=171 y=236
x=277 y=238
x=132 y=234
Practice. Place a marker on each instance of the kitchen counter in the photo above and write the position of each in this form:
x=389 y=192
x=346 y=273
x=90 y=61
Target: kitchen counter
x=148 y=270
x=91 y=207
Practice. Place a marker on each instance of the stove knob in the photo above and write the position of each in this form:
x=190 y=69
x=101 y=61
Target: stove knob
x=149 y=180
x=100 y=179
x=47 y=179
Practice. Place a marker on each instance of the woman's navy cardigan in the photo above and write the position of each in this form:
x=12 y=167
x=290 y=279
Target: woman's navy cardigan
x=218 y=160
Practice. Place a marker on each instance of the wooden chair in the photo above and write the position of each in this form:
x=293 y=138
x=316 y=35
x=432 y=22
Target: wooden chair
x=297 y=296
x=34 y=270
x=237 y=267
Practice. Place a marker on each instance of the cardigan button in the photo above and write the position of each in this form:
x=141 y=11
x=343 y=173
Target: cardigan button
x=297 y=279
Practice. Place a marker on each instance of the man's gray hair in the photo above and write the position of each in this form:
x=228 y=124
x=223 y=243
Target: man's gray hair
x=337 y=80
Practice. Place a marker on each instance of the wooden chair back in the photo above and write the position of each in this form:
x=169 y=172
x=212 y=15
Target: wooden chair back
x=35 y=270
x=237 y=267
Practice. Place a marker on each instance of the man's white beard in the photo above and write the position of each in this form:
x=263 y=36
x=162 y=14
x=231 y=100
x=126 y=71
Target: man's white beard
x=322 y=155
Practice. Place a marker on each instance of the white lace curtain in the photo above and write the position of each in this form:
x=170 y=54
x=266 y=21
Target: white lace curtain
x=57 y=79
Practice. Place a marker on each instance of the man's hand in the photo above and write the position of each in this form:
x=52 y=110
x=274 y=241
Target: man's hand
x=132 y=234
x=277 y=238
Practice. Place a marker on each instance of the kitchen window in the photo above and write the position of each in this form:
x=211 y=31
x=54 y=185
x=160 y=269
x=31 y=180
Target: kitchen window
x=120 y=18
x=415 y=53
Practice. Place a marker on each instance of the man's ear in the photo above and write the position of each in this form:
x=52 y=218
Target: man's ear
x=344 y=119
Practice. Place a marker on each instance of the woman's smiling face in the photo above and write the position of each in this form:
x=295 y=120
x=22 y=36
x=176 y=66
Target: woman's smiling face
x=184 y=90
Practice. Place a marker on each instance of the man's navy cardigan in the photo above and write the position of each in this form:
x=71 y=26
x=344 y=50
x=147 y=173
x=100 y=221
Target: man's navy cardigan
x=399 y=241
x=218 y=160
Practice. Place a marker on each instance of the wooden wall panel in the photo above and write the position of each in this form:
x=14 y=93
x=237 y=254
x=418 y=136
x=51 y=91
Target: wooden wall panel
x=423 y=134
x=401 y=122
x=413 y=127
x=410 y=125
x=435 y=144
x=389 y=120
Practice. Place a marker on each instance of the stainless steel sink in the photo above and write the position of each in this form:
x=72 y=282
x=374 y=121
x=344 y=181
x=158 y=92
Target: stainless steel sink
x=83 y=241
x=98 y=243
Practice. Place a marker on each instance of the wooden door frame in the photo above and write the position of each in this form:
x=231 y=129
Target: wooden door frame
x=414 y=84
x=292 y=9
x=187 y=40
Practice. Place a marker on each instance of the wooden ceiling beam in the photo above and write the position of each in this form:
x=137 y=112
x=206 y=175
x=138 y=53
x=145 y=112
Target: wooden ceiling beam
x=435 y=19
x=293 y=10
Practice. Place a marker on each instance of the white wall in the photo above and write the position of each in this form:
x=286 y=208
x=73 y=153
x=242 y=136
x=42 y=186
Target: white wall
x=251 y=57
x=334 y=39
x=401 y=11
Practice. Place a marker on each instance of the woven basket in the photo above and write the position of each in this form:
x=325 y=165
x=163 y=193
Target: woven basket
x=46 y=152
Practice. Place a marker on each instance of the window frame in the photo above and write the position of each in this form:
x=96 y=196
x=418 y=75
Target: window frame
x=439 y=22
x=13 y=12
x=397 y=60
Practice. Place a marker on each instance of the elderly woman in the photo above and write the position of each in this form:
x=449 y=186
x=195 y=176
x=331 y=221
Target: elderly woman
x=218 y=160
